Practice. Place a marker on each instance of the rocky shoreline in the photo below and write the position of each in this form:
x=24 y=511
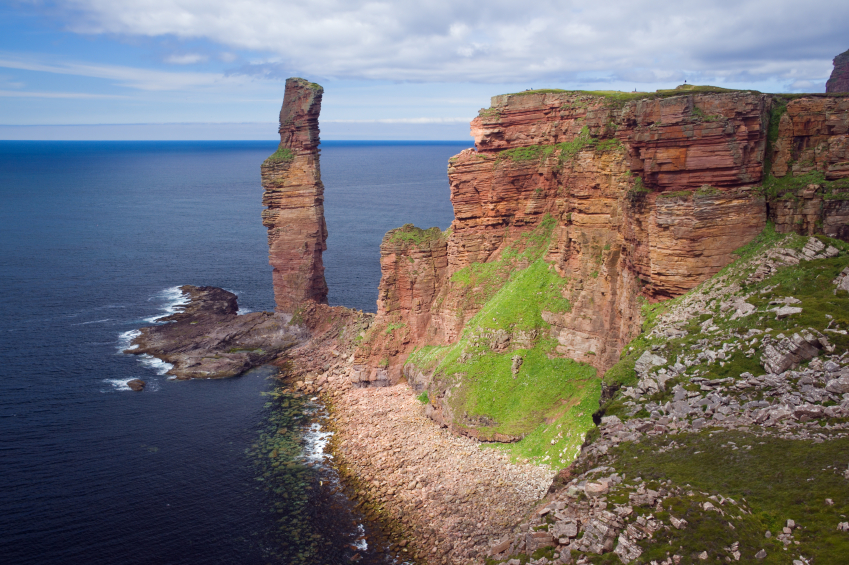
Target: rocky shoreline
x=441 y=498
x=208 y=339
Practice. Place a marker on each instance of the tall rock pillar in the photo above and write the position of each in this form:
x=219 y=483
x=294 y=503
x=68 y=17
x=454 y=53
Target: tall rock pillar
x=839 y=80
x=294 y=201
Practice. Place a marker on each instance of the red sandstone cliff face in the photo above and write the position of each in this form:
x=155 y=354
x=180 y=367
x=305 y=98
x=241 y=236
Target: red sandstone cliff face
x=649 y=196
x=839 y=79
x=812 y=143
x=412 y=263
x=294 y=197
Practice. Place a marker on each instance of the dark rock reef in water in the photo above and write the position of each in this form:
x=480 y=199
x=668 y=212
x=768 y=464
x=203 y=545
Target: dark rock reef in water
x=839 y=80
x=208 y=339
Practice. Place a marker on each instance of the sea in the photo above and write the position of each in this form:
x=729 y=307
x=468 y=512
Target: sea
x=95 y=239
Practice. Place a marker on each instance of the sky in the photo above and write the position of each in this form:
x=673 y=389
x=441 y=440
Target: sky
x=215 y=69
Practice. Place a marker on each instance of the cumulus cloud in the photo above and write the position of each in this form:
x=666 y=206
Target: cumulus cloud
x=499 y=41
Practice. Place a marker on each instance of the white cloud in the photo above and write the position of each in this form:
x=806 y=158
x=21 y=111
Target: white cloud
x=186 y=59
x=72 y=95
x=499 y=41
x=134 y=77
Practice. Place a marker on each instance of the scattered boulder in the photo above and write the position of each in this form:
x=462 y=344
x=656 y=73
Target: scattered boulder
x=136 y=385
x=839 y=385
x=646 y=361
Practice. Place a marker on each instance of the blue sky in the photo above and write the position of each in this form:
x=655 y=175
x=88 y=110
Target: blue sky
x=215 y=69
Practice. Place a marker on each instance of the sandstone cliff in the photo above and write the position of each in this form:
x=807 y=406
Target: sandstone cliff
x=600 y=198
x=294 y=200
x=839 y=79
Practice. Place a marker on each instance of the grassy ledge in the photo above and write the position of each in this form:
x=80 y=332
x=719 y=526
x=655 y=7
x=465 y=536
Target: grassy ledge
x=282 y=155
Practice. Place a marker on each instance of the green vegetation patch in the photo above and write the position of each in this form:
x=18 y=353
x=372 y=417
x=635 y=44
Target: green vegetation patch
x=282 y=155
x=700 y=114
x=566 y=150
x=478 y=283
x=539 y=91
x=546 y=400
x=409 y=235
x=778 y=479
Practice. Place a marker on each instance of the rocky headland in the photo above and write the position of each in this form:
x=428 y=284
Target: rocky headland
x=630 y=345
x=208 y=339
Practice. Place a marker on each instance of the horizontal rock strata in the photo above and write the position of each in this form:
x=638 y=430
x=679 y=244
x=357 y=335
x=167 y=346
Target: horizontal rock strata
x=294 y=200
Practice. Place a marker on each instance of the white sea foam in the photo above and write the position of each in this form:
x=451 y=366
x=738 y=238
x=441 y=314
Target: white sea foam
x=315 y=443
x=125 y=338
x=92 y=322
x=243 y=311
x=172 y=300
x=361 y=542
x=120 y=385
x=158 y=365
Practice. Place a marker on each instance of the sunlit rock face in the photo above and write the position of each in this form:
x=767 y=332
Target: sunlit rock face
x=294 y=201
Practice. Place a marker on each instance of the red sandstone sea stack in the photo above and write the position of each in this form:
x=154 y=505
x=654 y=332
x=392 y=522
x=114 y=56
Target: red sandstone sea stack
x=294 y=200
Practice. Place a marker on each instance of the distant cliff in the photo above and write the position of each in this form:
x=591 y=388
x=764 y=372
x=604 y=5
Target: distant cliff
x=294 y=200
x=572 y=208
x=839 y=79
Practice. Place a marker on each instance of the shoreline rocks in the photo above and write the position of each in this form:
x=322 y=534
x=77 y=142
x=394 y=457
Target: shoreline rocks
x=208 y=339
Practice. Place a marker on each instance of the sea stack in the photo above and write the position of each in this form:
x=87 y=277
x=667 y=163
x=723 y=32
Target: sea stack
x=294 y=201
x=839 y=80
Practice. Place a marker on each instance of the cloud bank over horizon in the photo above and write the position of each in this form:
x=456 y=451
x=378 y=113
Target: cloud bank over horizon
x=411 y=64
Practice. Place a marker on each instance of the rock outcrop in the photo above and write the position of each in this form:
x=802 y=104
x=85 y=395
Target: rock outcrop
x=839 y=79
x=294 y=200
x=208 y=339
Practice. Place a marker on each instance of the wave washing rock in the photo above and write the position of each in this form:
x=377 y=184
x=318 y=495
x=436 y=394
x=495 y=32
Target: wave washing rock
x=207 y=339
x=294 y=197
x=839 y=79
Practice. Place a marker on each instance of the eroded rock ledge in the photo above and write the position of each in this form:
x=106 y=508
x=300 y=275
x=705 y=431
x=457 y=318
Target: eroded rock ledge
x=208 y=339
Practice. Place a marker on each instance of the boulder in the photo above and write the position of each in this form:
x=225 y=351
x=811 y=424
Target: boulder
x=648 y=360
x=839 y=385
x=136 y=385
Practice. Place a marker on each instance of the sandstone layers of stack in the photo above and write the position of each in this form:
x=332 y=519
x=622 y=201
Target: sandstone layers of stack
x=294 y=200
x=839 y=80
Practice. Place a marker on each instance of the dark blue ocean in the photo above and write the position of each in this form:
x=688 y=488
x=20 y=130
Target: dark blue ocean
x=94 y=237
